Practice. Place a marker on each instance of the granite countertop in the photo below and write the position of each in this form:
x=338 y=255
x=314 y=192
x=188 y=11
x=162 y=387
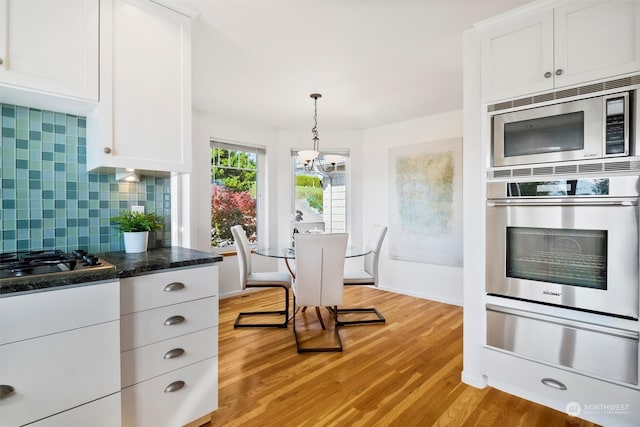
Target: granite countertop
x=124 y=265
x=130 y=265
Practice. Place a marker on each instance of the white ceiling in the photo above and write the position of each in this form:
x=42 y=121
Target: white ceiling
x=375 y=62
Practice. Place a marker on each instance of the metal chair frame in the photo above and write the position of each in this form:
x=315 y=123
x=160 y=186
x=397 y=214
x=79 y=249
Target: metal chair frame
x=244 y=259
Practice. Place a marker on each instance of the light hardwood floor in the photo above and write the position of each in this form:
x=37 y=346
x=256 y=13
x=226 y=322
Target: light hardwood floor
x=402 y=373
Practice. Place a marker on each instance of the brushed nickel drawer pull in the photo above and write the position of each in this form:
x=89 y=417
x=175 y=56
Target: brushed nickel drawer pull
x=174 y=286
x=6 y=390
x=172 y=354
x=174 y=320
x=174 y=386
x=553 y=383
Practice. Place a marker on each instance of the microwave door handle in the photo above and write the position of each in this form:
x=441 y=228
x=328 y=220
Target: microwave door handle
x=555 y=202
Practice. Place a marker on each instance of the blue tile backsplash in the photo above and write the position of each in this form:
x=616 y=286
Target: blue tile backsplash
x=50 y=201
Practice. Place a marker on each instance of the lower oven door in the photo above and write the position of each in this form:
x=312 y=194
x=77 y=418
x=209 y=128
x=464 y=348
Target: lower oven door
x=576 y=253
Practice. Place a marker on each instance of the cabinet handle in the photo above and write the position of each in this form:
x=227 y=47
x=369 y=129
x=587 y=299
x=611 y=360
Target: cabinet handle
x=173 y=320
x=547 y=74
x=553 y=383
x=174 y=386
x=172 y=354
x=6 y=390
x=107 y=150
x=174 y=286
x=559 y=72
x=1 y=61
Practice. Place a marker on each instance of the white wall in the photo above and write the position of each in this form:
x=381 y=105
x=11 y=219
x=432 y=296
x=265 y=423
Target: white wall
x=196 y=203
x=367 y=199
x=435 y=282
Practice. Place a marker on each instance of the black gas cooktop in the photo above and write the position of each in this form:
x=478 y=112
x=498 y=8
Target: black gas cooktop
x=44 y=262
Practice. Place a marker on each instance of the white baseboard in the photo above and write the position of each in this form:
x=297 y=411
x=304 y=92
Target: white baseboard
x=477 y=381
x=436 y=298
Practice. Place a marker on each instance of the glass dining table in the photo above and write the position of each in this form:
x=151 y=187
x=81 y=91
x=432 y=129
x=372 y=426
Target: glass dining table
x=288 y=252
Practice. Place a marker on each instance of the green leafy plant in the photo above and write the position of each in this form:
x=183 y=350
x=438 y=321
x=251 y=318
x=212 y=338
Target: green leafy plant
x=128 y=221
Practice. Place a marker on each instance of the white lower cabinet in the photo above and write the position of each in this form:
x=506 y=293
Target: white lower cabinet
x=589 y=398
x=169 y=344
x=152 y=360
x=173 y=399
x=61 y=368
x=104 y=412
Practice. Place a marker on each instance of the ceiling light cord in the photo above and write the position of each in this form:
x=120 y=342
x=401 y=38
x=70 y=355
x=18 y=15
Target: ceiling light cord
x=314 y=130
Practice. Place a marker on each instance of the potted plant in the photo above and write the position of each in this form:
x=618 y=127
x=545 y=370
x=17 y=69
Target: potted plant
x=135 y=227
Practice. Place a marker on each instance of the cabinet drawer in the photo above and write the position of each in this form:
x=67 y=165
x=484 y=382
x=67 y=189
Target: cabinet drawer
x=56 y=372
x=31 y=315
x=558 y=388
x=147 y=327
x=152 y=360
x=103 y=412
x=150 y=403
x=167 y=287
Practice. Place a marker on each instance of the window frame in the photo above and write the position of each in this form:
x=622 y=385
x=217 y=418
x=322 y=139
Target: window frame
x=344 y=152
x=261 y=162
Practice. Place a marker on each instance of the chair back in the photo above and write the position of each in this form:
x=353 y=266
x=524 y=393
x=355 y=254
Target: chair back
x=320 y=269
x=307 y=227
x=244 y=253
x=374 y=243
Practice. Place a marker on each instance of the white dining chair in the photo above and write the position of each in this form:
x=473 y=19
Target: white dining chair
x=249 y=279
x=309 y=227
x=367 y=276
x=318 y=279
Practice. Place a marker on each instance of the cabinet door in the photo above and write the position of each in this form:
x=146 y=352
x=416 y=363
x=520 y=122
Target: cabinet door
x=144 y=115
x=596 y=40
x=50 y=46
x=517 y=57
x=60 y=371
x=103 y=412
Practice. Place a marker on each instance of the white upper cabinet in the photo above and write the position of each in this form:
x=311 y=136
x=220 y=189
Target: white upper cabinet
x=50 y=47
x=573 y=43
x=143 y=120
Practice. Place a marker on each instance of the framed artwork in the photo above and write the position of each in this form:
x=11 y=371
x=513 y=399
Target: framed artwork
x=425 y=202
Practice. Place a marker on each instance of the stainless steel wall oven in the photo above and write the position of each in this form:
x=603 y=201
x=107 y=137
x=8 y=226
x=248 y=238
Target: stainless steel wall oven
x=566 y=242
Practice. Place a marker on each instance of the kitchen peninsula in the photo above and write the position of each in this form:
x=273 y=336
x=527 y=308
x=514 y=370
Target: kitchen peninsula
x=108 y=360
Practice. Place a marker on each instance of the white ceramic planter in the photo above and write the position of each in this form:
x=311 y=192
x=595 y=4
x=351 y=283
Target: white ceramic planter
x=136 y=241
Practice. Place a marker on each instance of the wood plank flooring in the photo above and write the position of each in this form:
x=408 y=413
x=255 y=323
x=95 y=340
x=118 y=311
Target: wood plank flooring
x=402 y=373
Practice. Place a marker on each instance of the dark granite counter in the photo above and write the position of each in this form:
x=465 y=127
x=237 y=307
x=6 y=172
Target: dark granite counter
x=129 y=265
x=48 y=282
x=124 y=265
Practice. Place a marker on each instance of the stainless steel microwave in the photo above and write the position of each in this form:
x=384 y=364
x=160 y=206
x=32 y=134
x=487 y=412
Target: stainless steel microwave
x=592 y=128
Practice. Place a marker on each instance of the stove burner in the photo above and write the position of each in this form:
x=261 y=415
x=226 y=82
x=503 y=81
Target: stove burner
x=79 y=253
x=90 y=260
x=24 y=263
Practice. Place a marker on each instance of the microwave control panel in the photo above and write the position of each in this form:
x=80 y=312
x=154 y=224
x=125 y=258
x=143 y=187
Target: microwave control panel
x=615 y=132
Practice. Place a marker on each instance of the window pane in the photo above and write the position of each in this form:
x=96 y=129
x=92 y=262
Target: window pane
x=320 y=196
x=233 y=193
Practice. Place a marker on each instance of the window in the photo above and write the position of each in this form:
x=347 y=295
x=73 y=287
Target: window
x=322 y=196
x=234 y=191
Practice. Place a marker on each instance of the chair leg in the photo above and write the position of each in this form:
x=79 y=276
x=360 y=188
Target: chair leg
x=315 y=349
x=379 y=317
x=320 y=318
x=284 y=313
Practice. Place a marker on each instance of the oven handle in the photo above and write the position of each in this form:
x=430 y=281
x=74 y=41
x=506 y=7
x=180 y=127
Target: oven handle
x=563 y=202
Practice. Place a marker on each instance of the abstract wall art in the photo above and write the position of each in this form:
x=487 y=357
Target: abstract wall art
x=425 y=209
